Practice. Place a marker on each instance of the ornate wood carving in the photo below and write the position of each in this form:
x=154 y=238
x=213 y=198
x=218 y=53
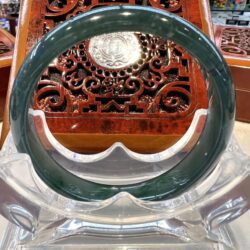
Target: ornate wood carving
x=160 y=83
x=234 y=41
x=156 y=94
x=60 y=10
x=49 y=13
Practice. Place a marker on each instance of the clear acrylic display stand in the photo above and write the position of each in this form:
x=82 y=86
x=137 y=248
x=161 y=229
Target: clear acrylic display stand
x=42 y=219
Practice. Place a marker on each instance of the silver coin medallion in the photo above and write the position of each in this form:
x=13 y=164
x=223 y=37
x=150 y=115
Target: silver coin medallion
x=115 y=50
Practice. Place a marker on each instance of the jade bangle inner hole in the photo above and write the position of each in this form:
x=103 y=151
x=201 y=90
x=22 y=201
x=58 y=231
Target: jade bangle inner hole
x=122 y=79
x=203 y=157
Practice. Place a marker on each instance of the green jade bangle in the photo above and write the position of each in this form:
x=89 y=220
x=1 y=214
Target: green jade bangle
x=203 y=157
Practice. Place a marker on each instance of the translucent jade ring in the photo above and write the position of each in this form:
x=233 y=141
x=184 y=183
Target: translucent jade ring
x=200 y=160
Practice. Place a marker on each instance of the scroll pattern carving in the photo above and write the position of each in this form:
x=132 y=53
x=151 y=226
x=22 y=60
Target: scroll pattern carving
x=165 y=83
x=235 y=41
x=58 y=11
x=161 y=82
x=69 y=8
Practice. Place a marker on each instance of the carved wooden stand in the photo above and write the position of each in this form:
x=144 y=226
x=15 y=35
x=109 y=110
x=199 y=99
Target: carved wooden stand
x=147 y=104
x=234 y=45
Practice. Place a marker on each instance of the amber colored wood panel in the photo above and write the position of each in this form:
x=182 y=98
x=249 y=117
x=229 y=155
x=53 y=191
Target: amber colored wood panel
x=139 y=143
x=4 y=79
x=233 y=43
x=39 y=17
x=6 y=53
x=241 y=77
x=6 y=48
x=18 y=58
x=242 y=105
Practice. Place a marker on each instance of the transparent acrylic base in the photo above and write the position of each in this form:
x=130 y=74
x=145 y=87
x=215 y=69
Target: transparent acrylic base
x=15 y=236
x=197 y=219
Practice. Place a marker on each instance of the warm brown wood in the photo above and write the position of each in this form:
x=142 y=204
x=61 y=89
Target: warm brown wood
x=7 y=42
x=145 y=98
x=139 y=143
x=168 y=120
x=242 y=105
x=18 y=58
x=4 y=79
x=234 y=45
x=241 y=77
x=6 y=53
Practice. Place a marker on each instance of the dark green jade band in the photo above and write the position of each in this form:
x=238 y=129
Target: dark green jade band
x=202 y=158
